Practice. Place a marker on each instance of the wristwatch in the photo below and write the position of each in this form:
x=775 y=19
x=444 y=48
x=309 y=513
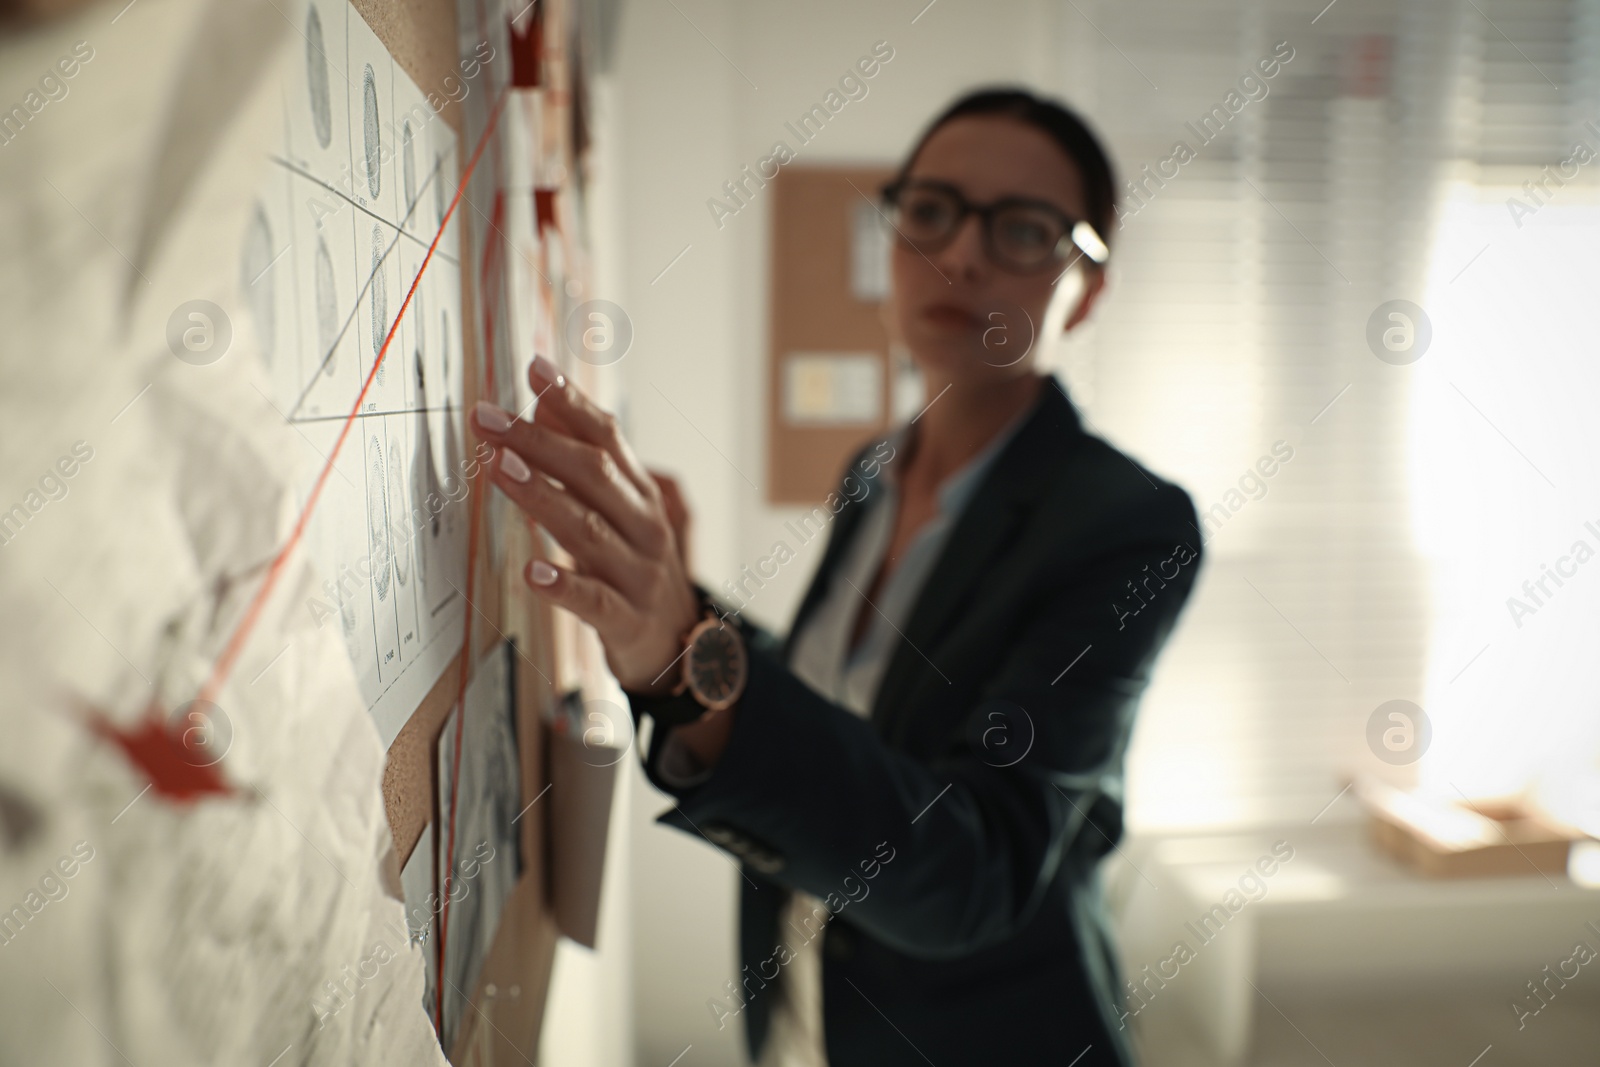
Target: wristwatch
x=714 y=668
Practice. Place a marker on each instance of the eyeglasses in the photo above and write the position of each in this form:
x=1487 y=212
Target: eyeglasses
x=1019 y=235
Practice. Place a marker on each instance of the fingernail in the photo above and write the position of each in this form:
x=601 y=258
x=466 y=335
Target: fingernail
x=548 y=371
x=541 y=573
x=492 y=418
x=514 y=467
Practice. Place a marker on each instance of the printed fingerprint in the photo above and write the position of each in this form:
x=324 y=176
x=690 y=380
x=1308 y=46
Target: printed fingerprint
x=317 y=79
x=256 y=278
x=327 y=309
x=444 y=350
x=369 y=128
x=438 y=191
x=378 y=518
x=425 y=476
x=408 y=165
x=380 y=299
x=402 y=528
x=447 y=430
x=347 y=616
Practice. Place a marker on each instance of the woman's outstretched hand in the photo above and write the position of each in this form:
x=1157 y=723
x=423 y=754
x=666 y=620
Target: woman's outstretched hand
x=570 y=470
x=677 y=506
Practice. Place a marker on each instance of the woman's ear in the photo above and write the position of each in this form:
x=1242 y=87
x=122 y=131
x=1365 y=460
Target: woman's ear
x=1094 y=282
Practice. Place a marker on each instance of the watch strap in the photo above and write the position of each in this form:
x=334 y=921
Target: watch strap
x=668 y=710
x=680 y=706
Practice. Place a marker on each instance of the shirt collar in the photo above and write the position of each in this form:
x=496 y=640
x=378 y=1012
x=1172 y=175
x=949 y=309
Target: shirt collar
x=960 y=484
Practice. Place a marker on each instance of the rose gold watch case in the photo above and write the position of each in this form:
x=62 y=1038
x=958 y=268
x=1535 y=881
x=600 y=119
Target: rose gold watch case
x=741 y=665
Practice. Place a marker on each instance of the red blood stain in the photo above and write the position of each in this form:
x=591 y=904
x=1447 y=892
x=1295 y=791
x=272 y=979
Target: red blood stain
x=176 y=771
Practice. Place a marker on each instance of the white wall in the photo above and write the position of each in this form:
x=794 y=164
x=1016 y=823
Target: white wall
x=687 y=119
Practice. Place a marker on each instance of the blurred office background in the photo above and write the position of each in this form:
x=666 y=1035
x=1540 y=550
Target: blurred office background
x=1404 y=153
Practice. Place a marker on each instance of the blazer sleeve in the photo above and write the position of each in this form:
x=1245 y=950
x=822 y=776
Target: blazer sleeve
x=939 y=858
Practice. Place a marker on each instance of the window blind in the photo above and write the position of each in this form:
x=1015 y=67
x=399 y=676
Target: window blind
x=1261 y=231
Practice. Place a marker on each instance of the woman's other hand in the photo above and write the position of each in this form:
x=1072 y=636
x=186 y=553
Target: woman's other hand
x=571 y=471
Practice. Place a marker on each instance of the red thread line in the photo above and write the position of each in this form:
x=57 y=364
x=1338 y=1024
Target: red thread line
x=230 y=654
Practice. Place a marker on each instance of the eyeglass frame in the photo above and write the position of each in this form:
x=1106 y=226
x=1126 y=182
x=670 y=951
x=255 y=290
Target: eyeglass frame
x=1078 y=233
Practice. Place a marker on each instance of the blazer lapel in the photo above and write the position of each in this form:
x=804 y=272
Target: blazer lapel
x=986 y=525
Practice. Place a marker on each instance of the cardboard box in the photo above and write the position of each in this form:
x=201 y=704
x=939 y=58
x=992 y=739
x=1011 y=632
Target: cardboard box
x=1440 y=838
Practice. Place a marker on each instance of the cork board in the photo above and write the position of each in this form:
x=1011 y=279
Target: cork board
x=822 y=330
x=508 y=1003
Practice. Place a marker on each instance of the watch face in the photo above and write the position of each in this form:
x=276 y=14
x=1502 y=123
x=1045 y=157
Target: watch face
x=716 y=666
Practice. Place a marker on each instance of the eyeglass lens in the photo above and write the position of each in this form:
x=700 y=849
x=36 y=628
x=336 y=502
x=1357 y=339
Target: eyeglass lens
x=1018 y=235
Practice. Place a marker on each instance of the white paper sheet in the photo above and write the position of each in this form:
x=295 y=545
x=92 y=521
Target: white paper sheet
x=209 y=931
x=359 y=187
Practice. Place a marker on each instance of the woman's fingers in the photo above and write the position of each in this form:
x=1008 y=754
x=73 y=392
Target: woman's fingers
x=581 y=530
x=587 y=471
x=587 y=422
x=590 y=599
x=616 y=622
x=677 y=509
x=572 y=471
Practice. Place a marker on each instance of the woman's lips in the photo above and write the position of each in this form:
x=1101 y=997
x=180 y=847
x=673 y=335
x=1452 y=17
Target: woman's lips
x=951 y=317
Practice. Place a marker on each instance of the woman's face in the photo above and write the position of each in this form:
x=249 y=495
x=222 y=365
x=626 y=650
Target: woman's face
x=963 y=318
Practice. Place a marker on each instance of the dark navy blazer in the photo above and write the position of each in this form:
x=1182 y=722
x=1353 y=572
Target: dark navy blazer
x=955 y=834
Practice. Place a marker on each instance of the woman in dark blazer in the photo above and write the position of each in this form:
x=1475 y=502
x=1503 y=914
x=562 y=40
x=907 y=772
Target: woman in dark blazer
x=922 y=779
